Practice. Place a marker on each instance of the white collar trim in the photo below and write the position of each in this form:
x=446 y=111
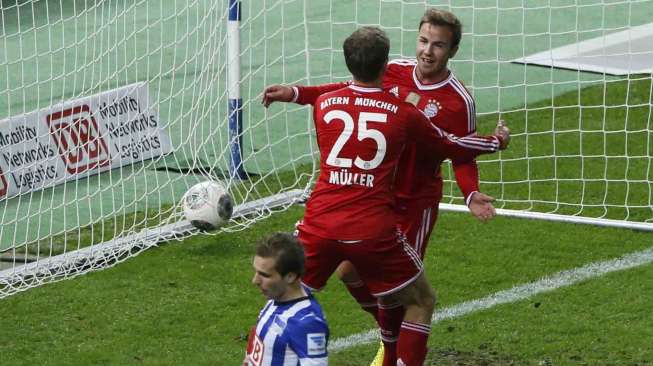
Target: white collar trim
x=363 y=89
x=421 y=86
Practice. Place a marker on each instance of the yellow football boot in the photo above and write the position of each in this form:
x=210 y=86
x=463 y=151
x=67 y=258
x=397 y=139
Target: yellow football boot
x=378 y=359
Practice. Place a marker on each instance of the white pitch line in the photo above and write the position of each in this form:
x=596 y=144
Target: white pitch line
x=517 y=293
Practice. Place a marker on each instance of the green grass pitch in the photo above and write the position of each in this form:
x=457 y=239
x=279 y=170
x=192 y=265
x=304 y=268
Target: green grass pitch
x=191 y=302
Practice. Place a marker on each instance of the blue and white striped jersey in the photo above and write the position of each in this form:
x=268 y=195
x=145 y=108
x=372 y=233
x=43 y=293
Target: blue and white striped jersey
x=292 y=333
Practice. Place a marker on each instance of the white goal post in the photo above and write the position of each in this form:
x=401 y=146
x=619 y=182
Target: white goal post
x=110 y=110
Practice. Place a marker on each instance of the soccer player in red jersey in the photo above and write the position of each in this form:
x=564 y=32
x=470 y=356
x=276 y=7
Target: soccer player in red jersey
x=427 y=83
x=361 y=132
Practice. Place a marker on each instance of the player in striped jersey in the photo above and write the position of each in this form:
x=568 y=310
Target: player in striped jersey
x=291 y=329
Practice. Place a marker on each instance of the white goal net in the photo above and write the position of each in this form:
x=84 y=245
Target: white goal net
x=110 y=110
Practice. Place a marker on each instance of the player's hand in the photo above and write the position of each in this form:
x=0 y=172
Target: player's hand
x=502 y=132
x=480 y=206
x=277 y=93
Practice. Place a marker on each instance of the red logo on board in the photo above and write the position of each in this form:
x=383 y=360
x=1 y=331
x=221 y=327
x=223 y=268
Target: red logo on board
x=77 y=135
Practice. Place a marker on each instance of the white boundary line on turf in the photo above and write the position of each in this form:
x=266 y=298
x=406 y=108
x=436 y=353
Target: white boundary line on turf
x=517 y=293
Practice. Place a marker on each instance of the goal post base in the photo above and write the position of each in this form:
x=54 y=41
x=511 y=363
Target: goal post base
x=644 y=226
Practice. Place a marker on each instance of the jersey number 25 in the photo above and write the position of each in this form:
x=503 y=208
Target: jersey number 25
x=363 y=133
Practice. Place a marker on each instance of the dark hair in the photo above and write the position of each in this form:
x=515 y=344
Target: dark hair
x=366 y=52
x=443 y=18
x=286 y=250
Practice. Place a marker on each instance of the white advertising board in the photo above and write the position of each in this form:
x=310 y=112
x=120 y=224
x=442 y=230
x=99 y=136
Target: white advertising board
x=79 y=138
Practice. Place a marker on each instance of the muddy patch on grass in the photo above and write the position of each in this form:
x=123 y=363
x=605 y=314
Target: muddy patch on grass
x=481 y=357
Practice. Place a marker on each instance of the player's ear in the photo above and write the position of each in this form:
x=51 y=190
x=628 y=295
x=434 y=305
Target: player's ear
x=291 y=277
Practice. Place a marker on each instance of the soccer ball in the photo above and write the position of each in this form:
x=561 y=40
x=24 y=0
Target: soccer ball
x=207 y=205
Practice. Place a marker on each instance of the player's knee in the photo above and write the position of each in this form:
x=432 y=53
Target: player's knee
x=347 y=273
x=427 y=299
x=425 y=295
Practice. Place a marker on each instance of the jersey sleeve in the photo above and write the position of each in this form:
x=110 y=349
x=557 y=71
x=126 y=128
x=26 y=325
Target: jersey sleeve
x=250 y=345
x=309 y=94
x=466 y=173
x=432 y=139
x=309 y=338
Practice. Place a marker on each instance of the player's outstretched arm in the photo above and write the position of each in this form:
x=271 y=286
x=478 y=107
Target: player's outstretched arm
x=277 y=93
x=458 y=148
x=480 y=204
x=298 y=93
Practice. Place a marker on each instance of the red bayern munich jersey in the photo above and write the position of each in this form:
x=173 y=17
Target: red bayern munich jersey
x=361 y=133
x=448 y=105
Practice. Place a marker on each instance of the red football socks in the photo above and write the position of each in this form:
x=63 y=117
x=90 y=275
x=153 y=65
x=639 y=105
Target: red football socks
x=412 y=344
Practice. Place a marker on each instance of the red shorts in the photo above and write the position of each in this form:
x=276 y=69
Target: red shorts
x=417 y=223
x=385 y=266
